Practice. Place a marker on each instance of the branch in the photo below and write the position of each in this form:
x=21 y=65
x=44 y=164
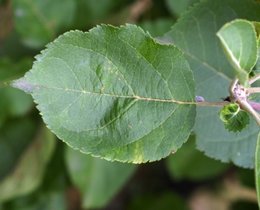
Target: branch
x=235 y=191
x=231 y=190
x=213 y=104
x=239 y=94
x=254 y=79
x=138 y=8
x=253 y=90
x=6 y=20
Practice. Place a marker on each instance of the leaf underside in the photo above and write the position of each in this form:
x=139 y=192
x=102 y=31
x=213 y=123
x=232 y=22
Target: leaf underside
x=114 y=93
x=257 y=169
x=195 y=34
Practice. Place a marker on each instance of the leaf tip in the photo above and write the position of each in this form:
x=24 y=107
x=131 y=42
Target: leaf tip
x=23 y=85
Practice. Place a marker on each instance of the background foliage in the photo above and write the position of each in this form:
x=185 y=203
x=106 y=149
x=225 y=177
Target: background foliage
x=37 y=171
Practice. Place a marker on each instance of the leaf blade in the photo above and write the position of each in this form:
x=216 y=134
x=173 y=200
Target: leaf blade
x=240 y=44
x=125 y=83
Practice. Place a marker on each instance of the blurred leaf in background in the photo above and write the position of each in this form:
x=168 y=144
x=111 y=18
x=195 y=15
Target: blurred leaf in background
x=38 y=201
x=38 y=22
x=29 y=170
x=189 y=163
x=90 y=12
x=157 y=27
x=98 y=180
x=177 y=7
x=52 y=192
x=15 y=136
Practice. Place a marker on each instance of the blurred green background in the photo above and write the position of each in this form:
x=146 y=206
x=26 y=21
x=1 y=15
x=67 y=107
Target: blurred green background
x=39 y=172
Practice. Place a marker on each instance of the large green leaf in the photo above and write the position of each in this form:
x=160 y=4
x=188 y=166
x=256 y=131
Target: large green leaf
x=239 y=41
x=39 y=21
x=29 y=171
x=195 y=34
x=98 y=180
x=115 y=93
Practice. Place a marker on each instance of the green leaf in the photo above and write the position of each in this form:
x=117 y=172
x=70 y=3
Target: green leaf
x=195 y=34
x=28 y=173
x=178 y=7
x=98 y=180
x=189 y=163
x=233 y=117
x=115 y=93
x=38 y=22
x=239 y=41
x=15 y=136
x=257 y=168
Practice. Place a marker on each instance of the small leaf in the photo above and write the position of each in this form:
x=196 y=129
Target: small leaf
x=115 y=93
x=98 y=180
x=233 y=117
x=239 y=41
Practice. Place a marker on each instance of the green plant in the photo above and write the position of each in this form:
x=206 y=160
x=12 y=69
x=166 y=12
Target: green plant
x=119 y=93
